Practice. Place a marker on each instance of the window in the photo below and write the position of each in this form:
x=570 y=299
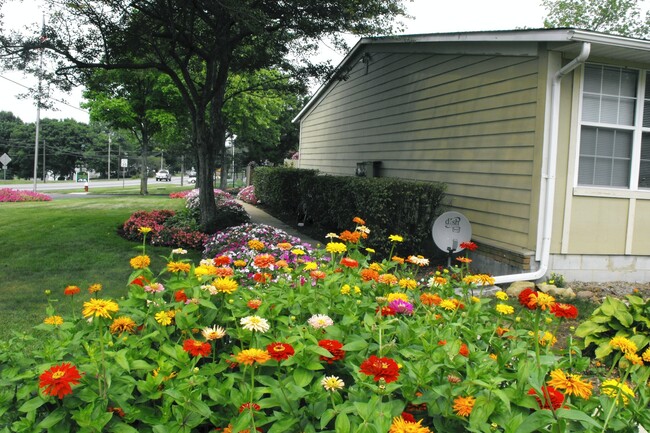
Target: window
x=614 y=101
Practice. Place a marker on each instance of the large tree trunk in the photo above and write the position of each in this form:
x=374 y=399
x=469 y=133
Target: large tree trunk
x=144 y=172
x=205 y=152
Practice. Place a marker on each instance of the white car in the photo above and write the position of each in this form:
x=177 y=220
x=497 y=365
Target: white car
x=191 y=178
x=163 y=175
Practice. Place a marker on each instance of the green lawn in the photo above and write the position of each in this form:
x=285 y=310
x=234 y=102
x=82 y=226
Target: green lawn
x=71 y=241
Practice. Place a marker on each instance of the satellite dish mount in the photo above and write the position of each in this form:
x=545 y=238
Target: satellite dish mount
x=449 y=231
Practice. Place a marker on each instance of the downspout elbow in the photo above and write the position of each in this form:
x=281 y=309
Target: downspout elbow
x=551 y=168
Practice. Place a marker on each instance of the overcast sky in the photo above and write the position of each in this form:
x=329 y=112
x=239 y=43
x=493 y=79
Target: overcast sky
x=431 y=16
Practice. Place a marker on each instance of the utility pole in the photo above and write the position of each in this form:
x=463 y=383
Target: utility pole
x=38 y=104
x=109 y=155
x=43 y=161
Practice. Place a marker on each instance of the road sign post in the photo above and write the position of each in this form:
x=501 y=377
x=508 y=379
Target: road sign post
x=5 y=160
x=124 y=163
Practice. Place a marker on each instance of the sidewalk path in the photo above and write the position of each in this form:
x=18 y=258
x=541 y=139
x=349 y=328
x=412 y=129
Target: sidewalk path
x=258 y=216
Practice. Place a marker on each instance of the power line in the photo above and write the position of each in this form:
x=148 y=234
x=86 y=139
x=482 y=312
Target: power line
x=50 y=98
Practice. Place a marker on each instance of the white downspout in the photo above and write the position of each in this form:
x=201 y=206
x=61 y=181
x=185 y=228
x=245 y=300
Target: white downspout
x=551 y=168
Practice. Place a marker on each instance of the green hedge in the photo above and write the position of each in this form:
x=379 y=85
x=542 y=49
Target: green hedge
x=389 y=206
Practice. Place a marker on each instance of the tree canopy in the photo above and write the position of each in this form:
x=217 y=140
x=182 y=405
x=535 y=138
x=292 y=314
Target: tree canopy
x=619 y=17
x=198 y=45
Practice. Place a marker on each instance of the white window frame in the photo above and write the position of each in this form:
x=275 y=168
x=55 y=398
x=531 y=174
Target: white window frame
x=633 y=191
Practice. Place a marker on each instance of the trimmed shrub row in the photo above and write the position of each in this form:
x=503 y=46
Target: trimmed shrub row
x=389 y=206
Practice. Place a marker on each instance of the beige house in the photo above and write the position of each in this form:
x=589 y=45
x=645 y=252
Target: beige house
x=542 y=136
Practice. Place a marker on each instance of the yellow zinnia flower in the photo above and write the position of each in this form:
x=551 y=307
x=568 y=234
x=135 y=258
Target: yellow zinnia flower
x=53 y=320
x=95 y=288
x=397 y=295
x=250 y=356
x=395 y=238
x=335 y=247
x=501 y=295
x=140 y=262
x=100 y=308
x=144 y=230
x=617 y=390
x=255 y=245
x=571 y=383
x=225 y=285
x=310 y=266
x=545 y=301
x=400 y=425
x=408 y=283
x=121 y=325
x=178 y=267
x=165 y=317
x=504 y=309
x=448 y=304
x=204 y=270
x=625 y=345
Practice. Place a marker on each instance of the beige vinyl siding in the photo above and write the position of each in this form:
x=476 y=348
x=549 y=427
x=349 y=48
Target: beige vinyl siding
x=598 y=225
x=468 y=121
x=641 y=232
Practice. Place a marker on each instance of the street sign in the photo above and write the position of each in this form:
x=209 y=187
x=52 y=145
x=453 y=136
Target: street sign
x=124 y=163
x=5 y=159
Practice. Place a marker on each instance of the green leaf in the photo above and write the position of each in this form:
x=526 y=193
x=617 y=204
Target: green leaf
x=326 y=417
x=31 y=405
x=603 y=350
x=120 y=427
x=342 y=423
x=536 y=421
x=302 y=377
x=53 y=418
x=355 y=346
x=120 y=359
x=577 y=415
x=588 y=328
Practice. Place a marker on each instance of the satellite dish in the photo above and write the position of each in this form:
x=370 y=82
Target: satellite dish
x=450 y=230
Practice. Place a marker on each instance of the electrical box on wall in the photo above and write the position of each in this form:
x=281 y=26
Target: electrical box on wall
x=368 y=168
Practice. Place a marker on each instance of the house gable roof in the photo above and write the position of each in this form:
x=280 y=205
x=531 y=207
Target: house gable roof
x=567 y=41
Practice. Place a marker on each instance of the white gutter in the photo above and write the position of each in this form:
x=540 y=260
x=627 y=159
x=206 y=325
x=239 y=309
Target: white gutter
x=549 y=176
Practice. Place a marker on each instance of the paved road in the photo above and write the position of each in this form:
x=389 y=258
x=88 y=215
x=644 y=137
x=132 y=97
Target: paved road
x=103 y=183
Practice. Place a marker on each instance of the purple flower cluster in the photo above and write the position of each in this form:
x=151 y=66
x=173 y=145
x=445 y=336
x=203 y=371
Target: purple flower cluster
x=192 y=198
x=13 y=195
x=248 y=195
x=233 y=242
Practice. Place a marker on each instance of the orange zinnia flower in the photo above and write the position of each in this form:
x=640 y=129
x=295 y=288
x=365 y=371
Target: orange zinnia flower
x=358 y=220
x=369 y=274
x=71 y=290
x=463 y=405
x=350 y=263
x=352 y=237
x=224 y=271
x=58 y=378
x=430 y=299
x=263 y=261
x=250 y=356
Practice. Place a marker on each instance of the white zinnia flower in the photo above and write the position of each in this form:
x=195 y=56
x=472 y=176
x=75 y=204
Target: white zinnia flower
x=320 y=321
x=213 y=333
x=332 y=383
x=255 y=323
x=179 y=251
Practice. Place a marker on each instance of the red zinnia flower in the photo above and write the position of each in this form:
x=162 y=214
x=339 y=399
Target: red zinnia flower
x=222 y=260
x=386 y=311
x=196 y=348
x=246 y=406
x=464 y=350
x=261 y=277
x=552 y=397
x=317 y=274
x=380 y=368
x=280 y=351
x=180 y=296
x=71 y=290
x=469 y=246
x=58 y=378
x=350 y=263
x=254 y=303
x=334 y=347
x=140 y=281
x=408 y=417
x=567 y=311
x=524 y=298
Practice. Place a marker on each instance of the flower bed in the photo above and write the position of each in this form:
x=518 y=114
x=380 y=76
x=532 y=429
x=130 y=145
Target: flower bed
x=247 y=195
x=341 y=343
x=13 y=195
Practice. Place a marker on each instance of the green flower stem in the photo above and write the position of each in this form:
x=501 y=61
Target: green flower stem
x=252 y=396
x=611 y=409
x=293 y=413
x=538 y=315
x=101 y=377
